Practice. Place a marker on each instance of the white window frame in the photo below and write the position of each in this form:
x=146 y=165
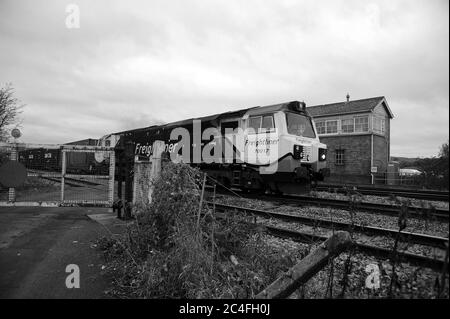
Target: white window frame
x=272 y=129
x=339 y=157
x=362 y=117
x=248 y=126
x=260 y=129
x=342 y=125
x=324 y=127
x=337 y=127
x=379 y=129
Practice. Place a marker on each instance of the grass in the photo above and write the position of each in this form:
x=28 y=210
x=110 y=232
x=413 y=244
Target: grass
x=171 y=251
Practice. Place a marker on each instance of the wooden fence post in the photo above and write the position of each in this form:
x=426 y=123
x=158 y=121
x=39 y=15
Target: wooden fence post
x=307 y=267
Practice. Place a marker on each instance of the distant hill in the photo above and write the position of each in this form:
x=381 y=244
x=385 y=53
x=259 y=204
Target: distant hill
x=404 y=159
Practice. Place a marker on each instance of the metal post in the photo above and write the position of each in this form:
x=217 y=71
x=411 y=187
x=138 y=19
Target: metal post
x=112 y=171
x=63 y=172
x=120 y=172
x=12 y=190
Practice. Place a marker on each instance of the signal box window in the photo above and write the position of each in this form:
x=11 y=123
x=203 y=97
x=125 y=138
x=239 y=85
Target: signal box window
x=332 y=127
x=362 y=124
x=339 y=157
x=378 y=125
x=320 y=126
x=348 y=126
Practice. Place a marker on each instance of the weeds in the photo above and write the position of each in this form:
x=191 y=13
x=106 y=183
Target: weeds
x=177 y=247
x=402 y=218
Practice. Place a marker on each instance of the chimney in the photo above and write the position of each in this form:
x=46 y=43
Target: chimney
x=348 y=97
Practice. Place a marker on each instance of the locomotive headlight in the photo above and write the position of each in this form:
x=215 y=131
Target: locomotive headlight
x=322 y=154
x=298 y=149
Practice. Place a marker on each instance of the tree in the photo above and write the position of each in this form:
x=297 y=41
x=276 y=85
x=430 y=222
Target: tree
x=444 y=151
x=10 y=109
x=436 y=169
x=443 y=157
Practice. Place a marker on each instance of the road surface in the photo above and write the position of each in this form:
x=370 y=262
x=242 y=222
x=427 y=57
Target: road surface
x=36 y=245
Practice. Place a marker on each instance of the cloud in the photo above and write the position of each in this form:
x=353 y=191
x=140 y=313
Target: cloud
x=137 y=63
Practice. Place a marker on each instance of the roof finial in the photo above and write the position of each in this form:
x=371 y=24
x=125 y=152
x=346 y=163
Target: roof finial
x=348 y=97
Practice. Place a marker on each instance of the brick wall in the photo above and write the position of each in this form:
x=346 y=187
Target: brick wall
x=356 y=167
x=380 y=153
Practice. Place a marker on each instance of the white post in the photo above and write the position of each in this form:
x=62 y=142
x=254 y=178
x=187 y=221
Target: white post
x=112 y=172
x=12 y=190
x=155 y=159
x=63 y=173
x=371 y=158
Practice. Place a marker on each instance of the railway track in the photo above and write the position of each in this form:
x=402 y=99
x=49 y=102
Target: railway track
x=384 y=253
x=380 y=209
x=416 y=238
x=378 y=191
x=416 y=259
x=56 y=177
x=58 y=180
x=70 y=181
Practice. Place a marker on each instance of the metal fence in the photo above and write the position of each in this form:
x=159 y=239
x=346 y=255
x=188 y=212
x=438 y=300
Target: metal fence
x=58 y=175
x=412 y=181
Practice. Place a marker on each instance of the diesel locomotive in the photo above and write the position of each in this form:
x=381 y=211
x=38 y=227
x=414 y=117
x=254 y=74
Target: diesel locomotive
x=272 y=148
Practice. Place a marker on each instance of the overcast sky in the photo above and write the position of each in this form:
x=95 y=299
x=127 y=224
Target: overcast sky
x=135 y=63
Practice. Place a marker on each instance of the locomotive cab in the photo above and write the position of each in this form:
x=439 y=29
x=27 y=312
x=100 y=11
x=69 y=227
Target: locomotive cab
x=282 y=140
x=299 y=125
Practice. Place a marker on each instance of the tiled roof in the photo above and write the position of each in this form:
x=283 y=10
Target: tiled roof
x=356 y=106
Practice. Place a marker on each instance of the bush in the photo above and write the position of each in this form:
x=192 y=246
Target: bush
x=168 y=252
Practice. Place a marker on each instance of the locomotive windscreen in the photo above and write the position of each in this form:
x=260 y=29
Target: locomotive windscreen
x=300 y=125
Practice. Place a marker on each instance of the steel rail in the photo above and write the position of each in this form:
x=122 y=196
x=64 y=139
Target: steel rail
x=418 y=194
x=381 y=209
x=422 y=239
x=415 y=259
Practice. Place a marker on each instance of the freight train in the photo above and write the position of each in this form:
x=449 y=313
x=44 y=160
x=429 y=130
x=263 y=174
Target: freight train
x=272 y=148
x=50 y=160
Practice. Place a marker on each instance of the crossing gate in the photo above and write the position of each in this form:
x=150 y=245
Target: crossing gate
x=54 y=175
